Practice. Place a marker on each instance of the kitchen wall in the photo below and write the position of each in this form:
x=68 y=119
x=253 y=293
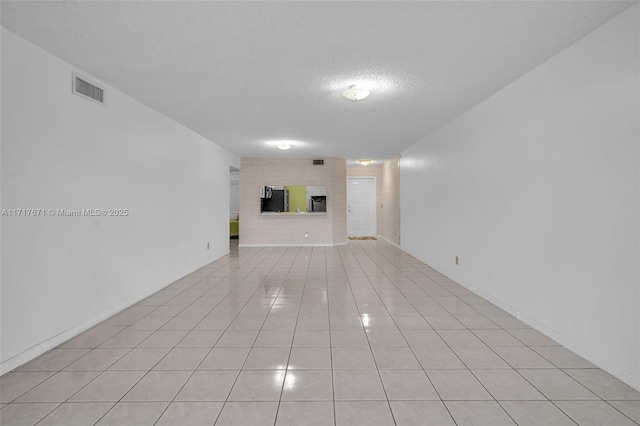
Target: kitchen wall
x=537 y=190
x=257 y=229
x=297 y=198
x=61 y=275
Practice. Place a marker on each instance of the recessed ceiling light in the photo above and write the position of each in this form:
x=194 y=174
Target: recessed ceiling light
x=364 y=162
x=283 y=146
x=356 y=93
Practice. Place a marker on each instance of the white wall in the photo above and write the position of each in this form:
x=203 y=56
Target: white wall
x=537 y=189
x=62 y=274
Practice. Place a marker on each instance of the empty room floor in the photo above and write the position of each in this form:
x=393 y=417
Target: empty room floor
x=361 y=334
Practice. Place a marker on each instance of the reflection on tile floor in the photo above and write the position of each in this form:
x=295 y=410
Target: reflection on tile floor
x=362 y=334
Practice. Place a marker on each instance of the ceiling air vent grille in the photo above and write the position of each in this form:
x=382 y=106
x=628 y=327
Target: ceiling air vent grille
x=87 y=90
x=318 y=162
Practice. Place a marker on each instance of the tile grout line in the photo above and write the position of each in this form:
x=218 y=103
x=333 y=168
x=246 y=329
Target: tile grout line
x=367 y=337
x=217 y=340
x=365 y=277
x=151 y=369
x=520 y=374
x=293 y=338
x=334 y=253
x=412 y=350
x=461 y=360
x=98 y=347
x=284 y=252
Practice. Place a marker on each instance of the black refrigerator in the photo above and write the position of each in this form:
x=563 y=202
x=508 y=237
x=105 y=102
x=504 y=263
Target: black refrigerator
x=279 y=201
x=318 y=203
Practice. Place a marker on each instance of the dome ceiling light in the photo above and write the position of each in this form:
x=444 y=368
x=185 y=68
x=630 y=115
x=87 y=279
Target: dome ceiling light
x=356 y=93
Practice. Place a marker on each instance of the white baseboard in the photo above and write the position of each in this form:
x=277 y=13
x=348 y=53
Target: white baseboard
x=565 y=341
x=293 y=245
x=389 y=241
x=42 y=347
x=562 y=339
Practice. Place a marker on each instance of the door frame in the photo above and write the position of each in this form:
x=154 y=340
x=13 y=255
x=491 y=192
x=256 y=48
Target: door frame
x=375 y=204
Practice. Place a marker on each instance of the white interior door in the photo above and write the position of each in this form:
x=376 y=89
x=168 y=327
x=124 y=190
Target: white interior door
x=361 y=206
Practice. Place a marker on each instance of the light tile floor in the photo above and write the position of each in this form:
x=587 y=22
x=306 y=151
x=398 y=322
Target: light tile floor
x=362 y=334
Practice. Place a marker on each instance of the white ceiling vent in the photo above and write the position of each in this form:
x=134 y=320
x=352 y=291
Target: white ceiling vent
x=83 y=88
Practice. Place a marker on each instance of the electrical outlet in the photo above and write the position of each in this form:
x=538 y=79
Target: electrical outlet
x=306 y=235
x=457 y=260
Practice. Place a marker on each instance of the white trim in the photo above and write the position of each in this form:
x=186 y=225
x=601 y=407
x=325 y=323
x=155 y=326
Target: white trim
x=293 y=245
x=565 y=341
x=375 y=205
x=390 y=242
x=42 y=347
x=37 y=350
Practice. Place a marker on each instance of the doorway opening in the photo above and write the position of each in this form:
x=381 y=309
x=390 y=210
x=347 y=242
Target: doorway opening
x=234 y=204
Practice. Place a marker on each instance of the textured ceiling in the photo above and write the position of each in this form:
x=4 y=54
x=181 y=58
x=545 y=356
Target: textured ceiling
x=242 y=73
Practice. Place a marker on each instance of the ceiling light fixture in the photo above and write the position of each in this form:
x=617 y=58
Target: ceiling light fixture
x=364 y=162
x=283 y=146
x=356 y=93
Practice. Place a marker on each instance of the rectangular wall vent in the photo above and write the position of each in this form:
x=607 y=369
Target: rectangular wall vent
x=318 y=162
x=83 y=88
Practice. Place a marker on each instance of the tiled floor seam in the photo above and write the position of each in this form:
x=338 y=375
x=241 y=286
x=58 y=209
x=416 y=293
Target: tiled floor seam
x=160 y=360
x=275 y=421
x=367 y=337
x=254 y=341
